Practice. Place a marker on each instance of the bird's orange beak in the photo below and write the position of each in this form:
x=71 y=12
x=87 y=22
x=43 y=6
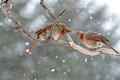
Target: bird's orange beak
x=68 y=30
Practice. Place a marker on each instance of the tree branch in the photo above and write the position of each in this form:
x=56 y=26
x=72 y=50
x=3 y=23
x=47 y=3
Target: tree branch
x=18 y=25
x=70 y=44
x=69 y=38
x=47 y=10
x=86 y=51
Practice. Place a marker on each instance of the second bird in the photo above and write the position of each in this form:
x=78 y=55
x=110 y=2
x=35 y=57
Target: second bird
x=94 y=40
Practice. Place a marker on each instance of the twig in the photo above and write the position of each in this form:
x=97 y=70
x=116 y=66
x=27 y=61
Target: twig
x=69 y=38
x=55 y=22
x=18 y=25
x=86 y=51
x=47 y=10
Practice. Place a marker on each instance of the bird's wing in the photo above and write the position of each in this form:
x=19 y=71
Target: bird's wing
x=94 y=36
x=44 y=29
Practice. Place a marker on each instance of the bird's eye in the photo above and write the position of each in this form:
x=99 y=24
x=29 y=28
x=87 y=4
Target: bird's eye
x=62 y=32
x=81 y=35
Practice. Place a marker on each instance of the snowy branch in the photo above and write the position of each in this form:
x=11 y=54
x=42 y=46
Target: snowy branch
x=70 y=42
x=47 y=10
x=18 y=25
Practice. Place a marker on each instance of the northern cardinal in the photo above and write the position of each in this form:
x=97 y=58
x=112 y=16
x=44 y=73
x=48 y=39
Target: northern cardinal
x=41 y=34
x=6 y=3
x=94 y=40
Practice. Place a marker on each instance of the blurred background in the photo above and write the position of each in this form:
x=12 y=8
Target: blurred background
x=58 y=62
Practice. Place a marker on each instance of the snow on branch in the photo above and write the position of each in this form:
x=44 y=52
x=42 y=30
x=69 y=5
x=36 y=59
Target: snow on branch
x=70 y=42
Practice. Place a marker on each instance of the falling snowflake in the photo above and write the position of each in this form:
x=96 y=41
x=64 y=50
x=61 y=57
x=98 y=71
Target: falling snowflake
x=69 y=20
x=52 y=70
x=63 y=61
x=34 y=29
x=91 y=58
x=90 y=11
x=56 y=57
x=86 y=3
x=110 y=19
x=86 y=60
x=24 y=74
x=91 y=17
x=1 y=24
x=64 y=72
x=27 y=43
x=28 y=50
x=99 y=33
x=29 y=30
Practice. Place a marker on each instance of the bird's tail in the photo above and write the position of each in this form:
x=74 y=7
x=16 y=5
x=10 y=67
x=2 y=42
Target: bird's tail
x=111 y=47
x=31 y=48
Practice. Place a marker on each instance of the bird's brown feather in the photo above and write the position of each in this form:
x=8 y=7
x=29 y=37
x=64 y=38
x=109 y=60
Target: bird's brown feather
x=44 y=29
x=96 y=37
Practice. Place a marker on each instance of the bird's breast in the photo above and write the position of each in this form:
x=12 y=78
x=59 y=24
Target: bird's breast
x=55 y=35
x=92 y=43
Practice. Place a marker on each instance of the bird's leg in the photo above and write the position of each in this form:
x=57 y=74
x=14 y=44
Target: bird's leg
x=94 y=49
x=52 y=38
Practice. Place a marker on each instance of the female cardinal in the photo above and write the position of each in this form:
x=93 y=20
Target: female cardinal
x=94 y=40
x=42 y=33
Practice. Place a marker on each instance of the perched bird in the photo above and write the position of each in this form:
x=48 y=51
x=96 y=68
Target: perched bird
x=6 y=4
x=94 y=40
x=41 y=34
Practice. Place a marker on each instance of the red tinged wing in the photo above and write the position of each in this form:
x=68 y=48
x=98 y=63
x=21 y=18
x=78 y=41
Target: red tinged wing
x=44 y=29
x=47 y=27
x=94 y=36
x=38 y=31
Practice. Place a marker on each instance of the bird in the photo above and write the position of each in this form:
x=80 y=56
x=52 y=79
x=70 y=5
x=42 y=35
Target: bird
x=6 y=4
x=41 y=34
x=94 y=40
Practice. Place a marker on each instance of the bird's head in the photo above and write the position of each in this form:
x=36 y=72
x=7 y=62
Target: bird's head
x=64 y=29
x=80 y=34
